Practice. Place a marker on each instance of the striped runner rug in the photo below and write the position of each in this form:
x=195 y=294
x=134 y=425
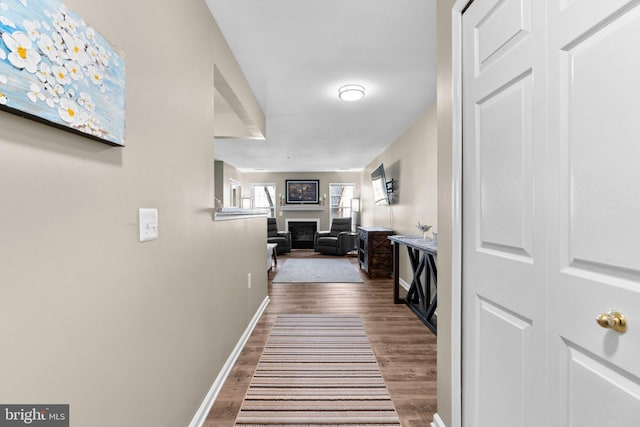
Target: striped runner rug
x=317 y=370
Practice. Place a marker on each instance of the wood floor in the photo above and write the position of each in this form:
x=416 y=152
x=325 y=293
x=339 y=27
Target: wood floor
x=404 y=347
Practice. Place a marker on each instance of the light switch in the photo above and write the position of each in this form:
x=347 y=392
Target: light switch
x=148 y=224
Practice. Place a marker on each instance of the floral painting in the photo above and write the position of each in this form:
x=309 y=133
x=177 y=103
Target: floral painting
x=55 y=68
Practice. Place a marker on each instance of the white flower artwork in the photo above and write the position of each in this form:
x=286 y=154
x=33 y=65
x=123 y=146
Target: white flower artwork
x=3 y=97
x=56 y=69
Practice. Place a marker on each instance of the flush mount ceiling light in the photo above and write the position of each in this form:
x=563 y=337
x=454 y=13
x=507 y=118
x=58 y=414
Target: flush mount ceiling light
x=351 y=92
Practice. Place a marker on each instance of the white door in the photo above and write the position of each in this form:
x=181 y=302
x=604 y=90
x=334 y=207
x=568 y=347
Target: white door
x=594 y=250
x=551 y=212
x=504 y=258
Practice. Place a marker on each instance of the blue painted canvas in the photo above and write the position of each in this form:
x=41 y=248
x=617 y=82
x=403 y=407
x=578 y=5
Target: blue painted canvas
x=55 y=68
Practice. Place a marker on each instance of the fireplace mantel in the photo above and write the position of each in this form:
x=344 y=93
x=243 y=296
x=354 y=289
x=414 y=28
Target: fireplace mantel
x=302 y=208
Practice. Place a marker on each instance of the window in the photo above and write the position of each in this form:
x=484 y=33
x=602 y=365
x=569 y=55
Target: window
x=340 y=196
x=263 y=196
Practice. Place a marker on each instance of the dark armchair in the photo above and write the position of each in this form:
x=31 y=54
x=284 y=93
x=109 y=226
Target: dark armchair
x=338 y=241
x=282 y=238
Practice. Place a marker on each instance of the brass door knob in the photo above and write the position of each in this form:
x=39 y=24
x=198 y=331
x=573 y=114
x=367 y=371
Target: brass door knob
x=612 y=320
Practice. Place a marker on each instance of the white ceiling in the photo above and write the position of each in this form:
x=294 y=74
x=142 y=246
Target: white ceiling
x=296 y=53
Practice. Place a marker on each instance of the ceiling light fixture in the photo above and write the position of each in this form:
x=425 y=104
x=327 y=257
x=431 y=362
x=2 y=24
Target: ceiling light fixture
x=351 y=92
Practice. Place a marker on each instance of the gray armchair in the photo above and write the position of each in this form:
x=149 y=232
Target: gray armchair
x=282 y=238
x=338 y=241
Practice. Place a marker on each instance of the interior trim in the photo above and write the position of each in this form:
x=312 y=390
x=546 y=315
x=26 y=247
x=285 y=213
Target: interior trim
x=437 y=421
x=456 y=216
x=405 y=284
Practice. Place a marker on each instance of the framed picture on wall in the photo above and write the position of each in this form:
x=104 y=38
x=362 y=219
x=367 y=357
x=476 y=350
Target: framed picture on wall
x=303 y=191
x=56 y=69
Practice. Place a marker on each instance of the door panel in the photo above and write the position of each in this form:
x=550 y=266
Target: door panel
x=503 y=26
x=599 y=394
x=595 y=265
x=504 y=170
x=503 y=340
x=504 y=346
x=600 y=130
x=551 y=212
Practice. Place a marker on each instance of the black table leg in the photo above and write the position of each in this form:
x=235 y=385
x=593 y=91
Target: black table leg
x=396 y=275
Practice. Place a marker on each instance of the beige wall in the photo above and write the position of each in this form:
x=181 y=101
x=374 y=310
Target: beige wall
x=411 y=160
x=279 y=179
x=127 y=333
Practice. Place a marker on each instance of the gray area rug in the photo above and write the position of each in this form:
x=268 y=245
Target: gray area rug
x=313 y=270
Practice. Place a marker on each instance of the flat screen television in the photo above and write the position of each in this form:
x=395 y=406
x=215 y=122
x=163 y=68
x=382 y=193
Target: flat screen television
x=379 y=184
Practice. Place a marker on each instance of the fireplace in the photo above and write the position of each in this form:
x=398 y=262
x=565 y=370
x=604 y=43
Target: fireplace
x=302 y=232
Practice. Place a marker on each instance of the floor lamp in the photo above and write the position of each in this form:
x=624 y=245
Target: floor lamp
x=355 y=209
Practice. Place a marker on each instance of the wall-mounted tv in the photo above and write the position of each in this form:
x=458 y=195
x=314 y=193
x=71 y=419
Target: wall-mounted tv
x=381 y=193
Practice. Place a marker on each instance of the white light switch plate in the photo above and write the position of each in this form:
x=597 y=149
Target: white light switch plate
x=148 y=224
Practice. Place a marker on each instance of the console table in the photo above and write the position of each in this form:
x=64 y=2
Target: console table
x=374 y=250
x=420 y=299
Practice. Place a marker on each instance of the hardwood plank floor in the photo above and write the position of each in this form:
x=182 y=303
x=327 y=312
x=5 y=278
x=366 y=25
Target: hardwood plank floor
x=404 y=347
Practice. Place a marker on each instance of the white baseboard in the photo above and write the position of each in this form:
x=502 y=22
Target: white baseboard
x=437 y=421
x=404 y=284
x=201 y=415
